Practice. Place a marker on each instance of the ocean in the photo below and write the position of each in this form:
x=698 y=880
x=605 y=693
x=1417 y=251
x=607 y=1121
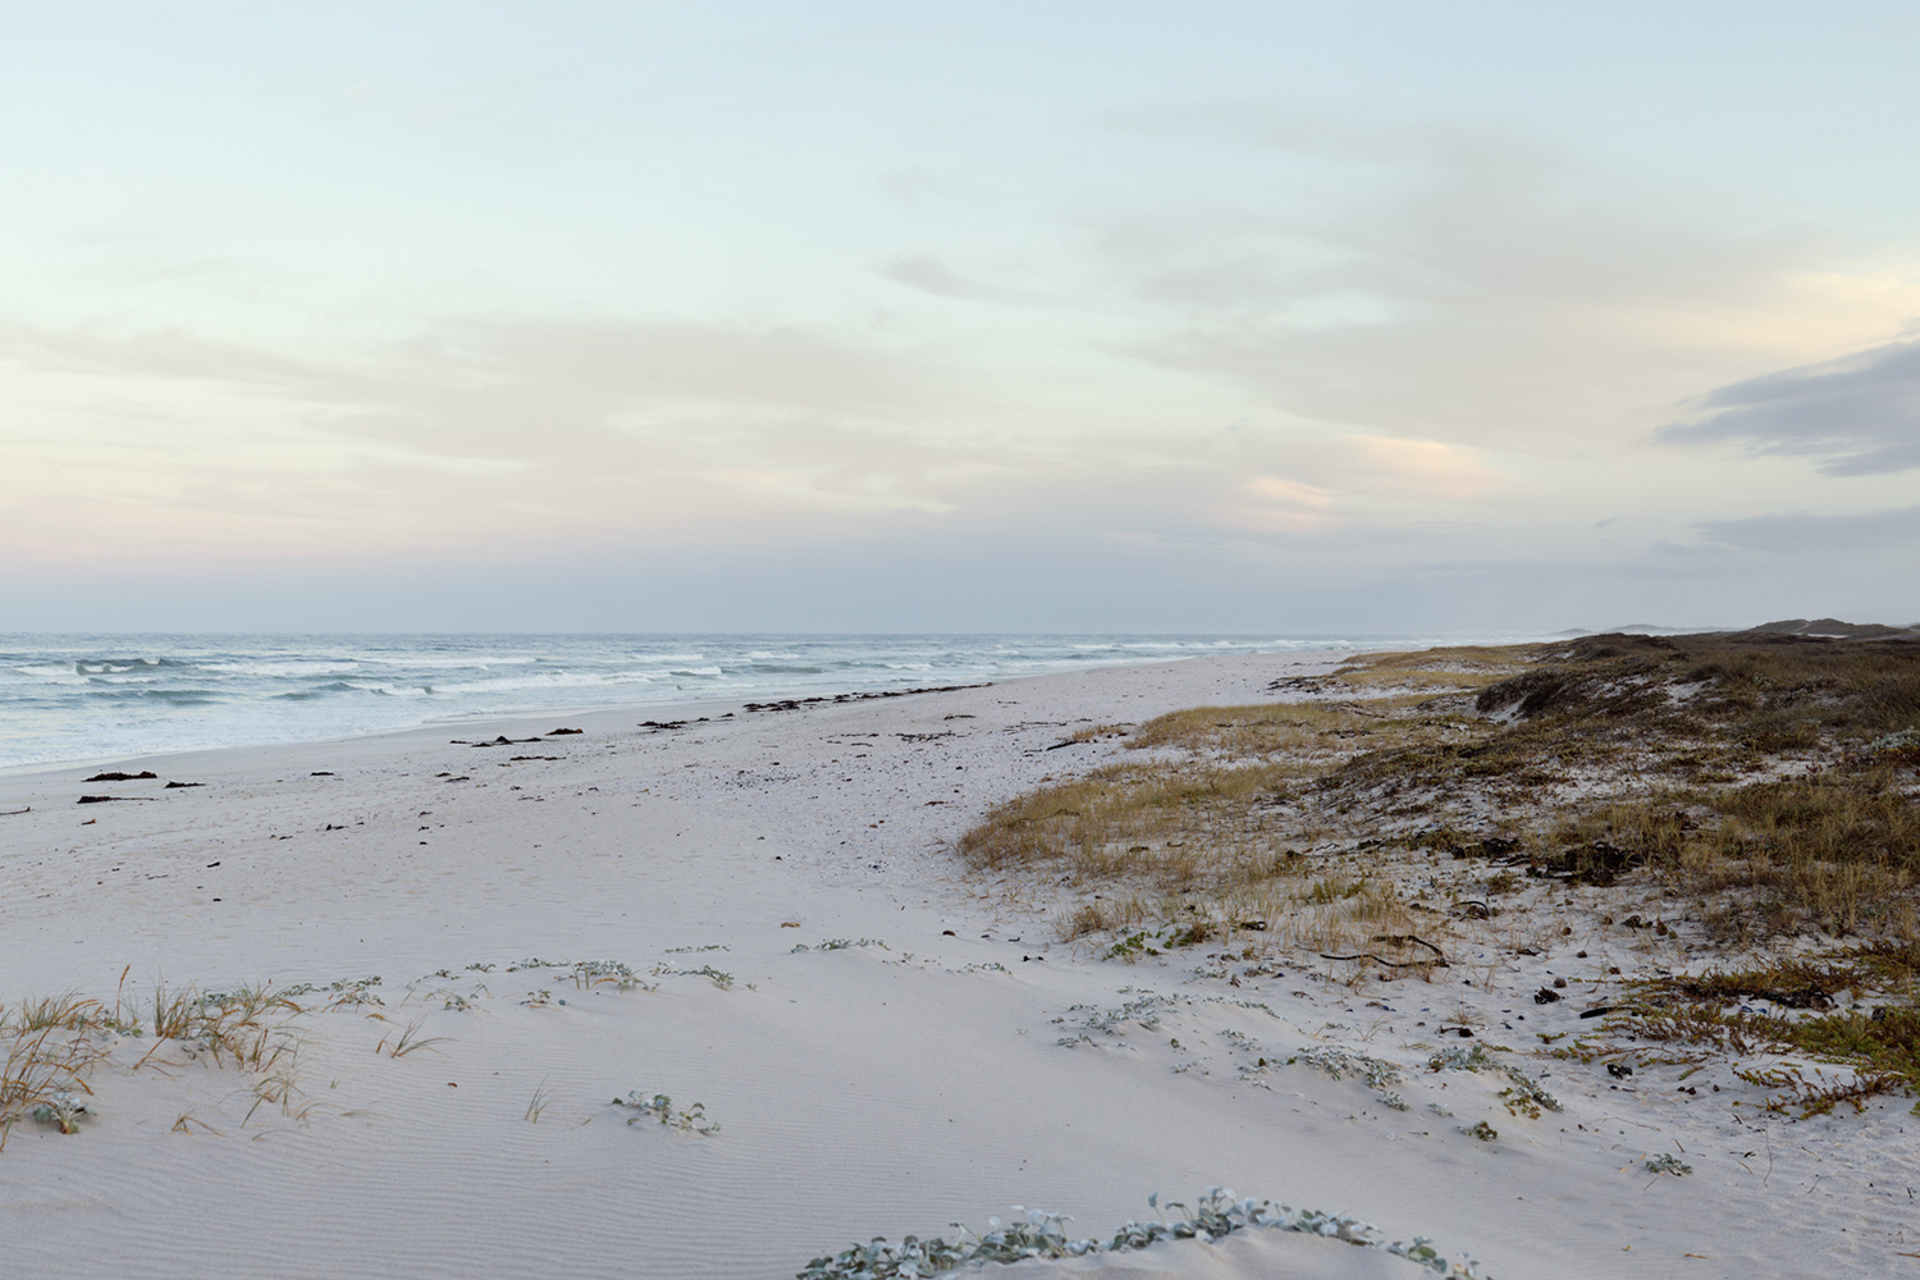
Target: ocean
x=78 y=698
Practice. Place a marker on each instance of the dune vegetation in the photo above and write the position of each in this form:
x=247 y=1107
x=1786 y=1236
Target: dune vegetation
x=1717 y=796
x=1769 y=780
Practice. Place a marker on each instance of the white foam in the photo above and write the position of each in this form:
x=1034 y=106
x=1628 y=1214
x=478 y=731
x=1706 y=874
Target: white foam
x=84 y=697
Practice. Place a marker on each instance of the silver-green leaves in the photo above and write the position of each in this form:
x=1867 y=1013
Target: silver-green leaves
x=1043 y=1235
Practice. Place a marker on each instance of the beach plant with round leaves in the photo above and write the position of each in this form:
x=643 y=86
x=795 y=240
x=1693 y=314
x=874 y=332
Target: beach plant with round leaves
x=1339 y=1063
x=62 y=1110
x=1143 y=1010
x=1130 y=947
x=660 y=1107
x=719 y=977
x=1039 y=1234
x=1524 y=1097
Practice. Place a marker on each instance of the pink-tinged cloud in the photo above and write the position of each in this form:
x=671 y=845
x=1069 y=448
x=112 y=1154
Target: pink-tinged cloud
x=1423 y=468
x=1292 y=493
x=1282 y=506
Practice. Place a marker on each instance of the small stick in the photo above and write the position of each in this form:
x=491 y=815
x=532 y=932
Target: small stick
x=1391 y=964
x=14 y=813
x=1404 y=939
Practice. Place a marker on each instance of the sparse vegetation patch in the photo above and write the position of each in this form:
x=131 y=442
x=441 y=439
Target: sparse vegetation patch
x=660 y=1107
x=1770 y=778
x=1678 y=801
x=1038 y=1234
x=1785 y=1029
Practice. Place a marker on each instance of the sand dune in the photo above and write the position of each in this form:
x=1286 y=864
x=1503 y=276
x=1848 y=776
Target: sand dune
x=878 y=1039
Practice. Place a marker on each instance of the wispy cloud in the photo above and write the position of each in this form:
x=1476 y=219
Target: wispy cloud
x=1425 y=468
x=493 y=435
x=1463 y=283
x=1279 y=505
x=932 y=275
x=471 y=434
x=1859 y=414
x=1820 y=537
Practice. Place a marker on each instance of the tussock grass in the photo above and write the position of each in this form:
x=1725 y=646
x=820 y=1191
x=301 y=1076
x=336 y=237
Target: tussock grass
x=54 y=1050
x=1771 y=779
x=246 y=1025
x=1876 y=1042
x=1367 y=916
x=1259 y=730
x=1765 y=694
x=407 y=1040
x=1837 y=852
x=1432 y=671
x=53 y=1045
x=1197 y=851
x=1154 y=827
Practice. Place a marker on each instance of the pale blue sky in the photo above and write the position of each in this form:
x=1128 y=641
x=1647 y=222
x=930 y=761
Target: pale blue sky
x=958 y=316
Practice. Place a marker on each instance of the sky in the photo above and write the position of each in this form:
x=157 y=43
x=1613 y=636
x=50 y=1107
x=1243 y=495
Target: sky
x=909 y=316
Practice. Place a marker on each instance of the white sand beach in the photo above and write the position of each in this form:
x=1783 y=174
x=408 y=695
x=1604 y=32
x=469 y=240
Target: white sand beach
x=878 y=1036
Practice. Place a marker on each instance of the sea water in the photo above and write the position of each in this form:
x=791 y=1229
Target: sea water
x=99 y=697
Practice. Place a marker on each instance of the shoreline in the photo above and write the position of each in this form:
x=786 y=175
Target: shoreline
x=501 y=722
x=88 y=700
x=522 y=720
x=272 y=786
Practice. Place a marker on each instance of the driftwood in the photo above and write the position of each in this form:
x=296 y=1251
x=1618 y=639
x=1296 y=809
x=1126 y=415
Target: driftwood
x=14 y=813
x=794 y=704
x=1391 y=964
x=1408 y=939
x=1399 y=939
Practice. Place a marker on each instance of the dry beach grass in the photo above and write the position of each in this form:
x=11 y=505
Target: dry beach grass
x=1758 y=787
